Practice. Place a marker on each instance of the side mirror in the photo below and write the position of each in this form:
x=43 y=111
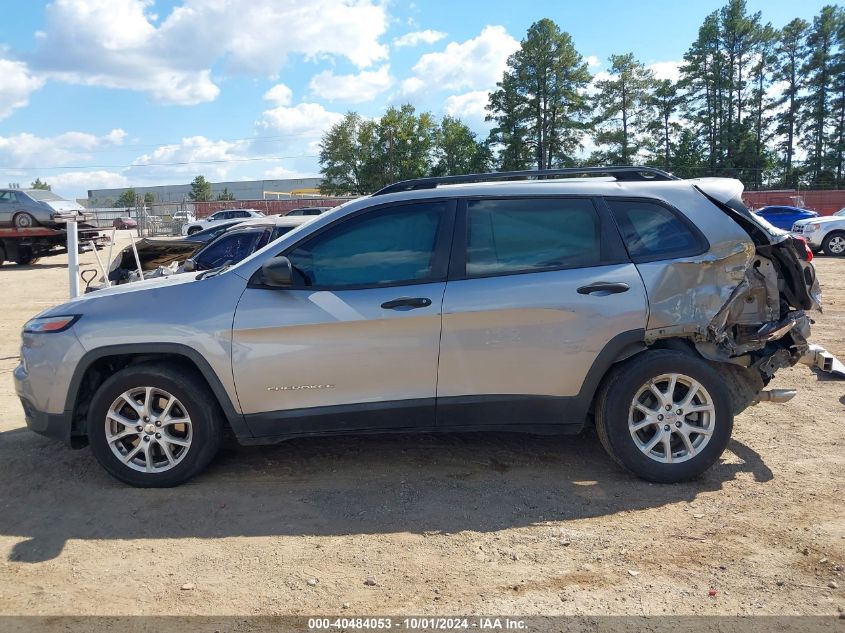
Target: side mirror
x=277 y=272
x=189 y=266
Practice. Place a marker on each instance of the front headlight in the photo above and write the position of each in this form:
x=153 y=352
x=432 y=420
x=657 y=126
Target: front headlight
x=811 y=228
x=45 y=325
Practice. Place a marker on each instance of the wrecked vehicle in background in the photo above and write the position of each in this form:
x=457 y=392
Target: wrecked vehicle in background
x=225 y=243
x=653 y=307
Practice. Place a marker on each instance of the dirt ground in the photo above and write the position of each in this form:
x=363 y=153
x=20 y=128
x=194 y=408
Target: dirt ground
x=452 y=524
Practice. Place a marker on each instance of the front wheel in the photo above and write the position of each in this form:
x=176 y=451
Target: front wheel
x=152 y=425
x=664 y=415
x=194 y=229
x=834 y=244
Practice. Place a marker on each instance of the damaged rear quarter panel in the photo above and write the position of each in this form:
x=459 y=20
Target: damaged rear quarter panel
x=685 y=294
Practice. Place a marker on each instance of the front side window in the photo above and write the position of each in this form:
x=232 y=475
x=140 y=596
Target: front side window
x=382 y=247
x=652 y=231
x=509 y=236
x=229 y=249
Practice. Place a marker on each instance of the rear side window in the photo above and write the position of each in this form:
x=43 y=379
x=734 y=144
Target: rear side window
x=510 y=236
x=652 y=231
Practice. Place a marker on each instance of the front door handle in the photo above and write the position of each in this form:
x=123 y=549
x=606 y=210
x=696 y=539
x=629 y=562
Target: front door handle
x=604 y=287
x=407 y=302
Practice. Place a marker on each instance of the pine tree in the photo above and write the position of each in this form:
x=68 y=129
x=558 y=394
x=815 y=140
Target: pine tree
x=622 y=104
x=816 y=106
x=790 y=55
x=543 y=95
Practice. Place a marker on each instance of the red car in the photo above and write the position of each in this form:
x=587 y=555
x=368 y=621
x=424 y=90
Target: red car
x=124 y=223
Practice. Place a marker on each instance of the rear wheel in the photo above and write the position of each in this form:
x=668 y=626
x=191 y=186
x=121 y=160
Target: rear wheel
x=194 y=229
x=23 y=221
x=664 y=415
x=834 y=243
x=153 y=426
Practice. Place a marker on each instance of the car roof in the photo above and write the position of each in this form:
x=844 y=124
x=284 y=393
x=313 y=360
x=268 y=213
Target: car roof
x=276 y=220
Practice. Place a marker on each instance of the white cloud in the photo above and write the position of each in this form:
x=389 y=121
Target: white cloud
x=470 y=108
x=475 y=64
x=16 y=84
x=191 y=155
x=279 y=94
x=666 y=70
x=121 y=44
x=72 y=182
x=29 y=150
x=593 y=61
x=306 y=120
x=365 y=86
x=280 y=173
x=416 y=38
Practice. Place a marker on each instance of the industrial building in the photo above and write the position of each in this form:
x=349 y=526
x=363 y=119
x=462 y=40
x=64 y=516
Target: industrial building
x=241 y=189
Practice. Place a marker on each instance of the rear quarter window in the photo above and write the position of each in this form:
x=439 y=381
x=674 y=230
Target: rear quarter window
x=652 y=231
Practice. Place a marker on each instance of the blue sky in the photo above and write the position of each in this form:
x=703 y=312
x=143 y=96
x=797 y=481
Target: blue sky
x=91 y=91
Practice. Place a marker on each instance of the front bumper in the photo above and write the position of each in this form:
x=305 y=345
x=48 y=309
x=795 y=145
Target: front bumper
x=56 y=426
x=814 y=239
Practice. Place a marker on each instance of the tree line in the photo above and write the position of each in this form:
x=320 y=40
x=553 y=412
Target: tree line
x=752 y=101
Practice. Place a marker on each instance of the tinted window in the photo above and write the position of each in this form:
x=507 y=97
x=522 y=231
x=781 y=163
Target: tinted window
x=522 y=235
x=8 y=196
x=241 y=214
x=282 y=230
x=229 y=249
x=651 y=231
x=386 y=246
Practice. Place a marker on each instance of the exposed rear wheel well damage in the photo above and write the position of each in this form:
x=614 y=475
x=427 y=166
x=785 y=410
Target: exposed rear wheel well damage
x=743 y=383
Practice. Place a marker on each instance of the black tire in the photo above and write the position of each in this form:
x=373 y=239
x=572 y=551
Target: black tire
x=834 y=249
x=194 y=229
x=199 y=404
x=24 y=221
x=614 y=403
x=26 y=256
x=2 y=254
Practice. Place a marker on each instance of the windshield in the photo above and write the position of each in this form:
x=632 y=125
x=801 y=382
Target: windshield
x=840 y=212
x=43 y=194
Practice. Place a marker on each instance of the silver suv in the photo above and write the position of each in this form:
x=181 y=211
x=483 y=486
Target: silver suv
x=656 y=307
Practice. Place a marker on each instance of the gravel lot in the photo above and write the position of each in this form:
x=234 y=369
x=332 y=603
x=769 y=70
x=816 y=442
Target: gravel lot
x=453 y=524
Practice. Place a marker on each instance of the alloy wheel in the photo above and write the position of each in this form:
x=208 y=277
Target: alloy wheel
x=836 y=245
x=671 y=418
x=148 y=429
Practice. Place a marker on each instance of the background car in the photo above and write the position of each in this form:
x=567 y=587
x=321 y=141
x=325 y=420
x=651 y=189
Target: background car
x=242 y=241
x=26 y=208
x=784 y=217
x=124 y=222
x=307 y=211
x=825 y=233
x=221 y=216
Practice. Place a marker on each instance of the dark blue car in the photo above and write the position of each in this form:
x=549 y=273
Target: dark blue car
x=784 y=217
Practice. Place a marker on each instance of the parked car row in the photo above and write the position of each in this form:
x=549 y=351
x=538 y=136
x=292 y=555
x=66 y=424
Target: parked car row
x=822 y=233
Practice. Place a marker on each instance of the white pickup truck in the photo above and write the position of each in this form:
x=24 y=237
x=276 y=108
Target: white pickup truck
x=825 y=233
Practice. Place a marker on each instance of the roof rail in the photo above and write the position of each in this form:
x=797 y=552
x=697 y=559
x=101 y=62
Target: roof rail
x=626 y=173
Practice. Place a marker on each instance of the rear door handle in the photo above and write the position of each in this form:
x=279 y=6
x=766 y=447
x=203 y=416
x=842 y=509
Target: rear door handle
x=604 y=287
x=407 y=302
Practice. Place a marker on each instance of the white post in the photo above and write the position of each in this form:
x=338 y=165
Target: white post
x=73 y=258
